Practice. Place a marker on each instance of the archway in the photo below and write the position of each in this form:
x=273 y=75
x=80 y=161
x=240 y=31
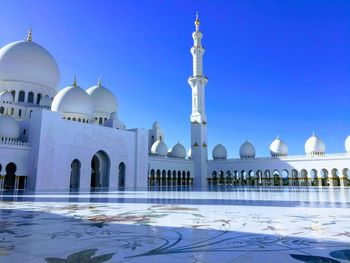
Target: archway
x=10 y=177
x=346 y=176
x=215 y=177
x=152 y=178
x=314 y=177
x=243 y=177
x=251 y=178
x=335 y=177
x=228 y=178
x=258 y=179
x=158 y=178
x=100 y=166
x=294 y=177
x=169 y=178
x=121 y=175
x=276 y=178
x=324 y=176
x=221 y=178
x=303 y=177
x=267 y=177
x=285 y=177
x=163 y=178
x=75 y=174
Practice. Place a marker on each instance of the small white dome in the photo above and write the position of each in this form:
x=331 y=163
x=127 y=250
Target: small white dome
x=45 y=102
x=28 y=62
x=278 y=148
x=9 y=127
x=159 y=148
x=156 y=125
x=177 y=151
x=219 y=152
x=73 y=99
x=315 y=146
x=247 y=150
x=103 y=99
x=6 y=97
x=347 y=144
x=189 y=153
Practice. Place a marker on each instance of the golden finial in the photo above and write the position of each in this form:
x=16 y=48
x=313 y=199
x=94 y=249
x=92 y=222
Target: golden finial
x=75 y=81
x=196 y=23
x=29 y=36
x=99 y=83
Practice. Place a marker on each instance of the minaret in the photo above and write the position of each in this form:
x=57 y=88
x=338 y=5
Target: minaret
x=198 y=117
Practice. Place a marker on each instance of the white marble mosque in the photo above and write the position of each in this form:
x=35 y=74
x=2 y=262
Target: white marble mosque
x=48 y=137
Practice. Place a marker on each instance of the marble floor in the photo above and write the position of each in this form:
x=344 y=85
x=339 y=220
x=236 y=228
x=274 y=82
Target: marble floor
x=215 y=225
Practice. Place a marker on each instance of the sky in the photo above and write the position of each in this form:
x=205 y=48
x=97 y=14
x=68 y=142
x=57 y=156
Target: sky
x=274 y=67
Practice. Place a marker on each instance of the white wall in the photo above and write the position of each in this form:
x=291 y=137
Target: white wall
x=57 y=142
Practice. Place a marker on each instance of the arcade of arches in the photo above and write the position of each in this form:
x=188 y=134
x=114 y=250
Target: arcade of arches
x=169 y=178
x=11 y=180
x=100 y=172
x=314 y=177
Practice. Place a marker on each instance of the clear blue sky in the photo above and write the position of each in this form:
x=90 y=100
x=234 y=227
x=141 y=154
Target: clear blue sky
x=274 y=67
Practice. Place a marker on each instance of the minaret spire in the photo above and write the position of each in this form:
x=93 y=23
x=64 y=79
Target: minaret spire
x=196 y=22
x=198 y=117
x=29 y=36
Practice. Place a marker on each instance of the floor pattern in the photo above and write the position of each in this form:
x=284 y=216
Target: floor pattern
x=57 y=232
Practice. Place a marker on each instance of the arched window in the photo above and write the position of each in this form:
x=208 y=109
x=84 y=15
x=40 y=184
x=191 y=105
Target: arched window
x=12 y=111
x=13 y=92
x=19 y=113
x=75 y=174
x=21 y=96
x=2 y=110
x=30 y=97
x=38 y=98
x=10 y=176
x=121 y=175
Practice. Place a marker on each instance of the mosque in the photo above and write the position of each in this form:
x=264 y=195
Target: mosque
x=73 y=139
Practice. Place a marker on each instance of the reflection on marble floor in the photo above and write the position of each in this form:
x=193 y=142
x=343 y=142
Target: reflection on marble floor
x=70 y=232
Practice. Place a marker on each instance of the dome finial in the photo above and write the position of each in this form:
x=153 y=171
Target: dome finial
x=196 y=23
x=75 y=81
x=29 y=36
x=277 y=137
x=313 y=134
x=99 y=81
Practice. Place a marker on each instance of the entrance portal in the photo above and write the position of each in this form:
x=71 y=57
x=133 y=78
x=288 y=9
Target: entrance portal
x=100 y=167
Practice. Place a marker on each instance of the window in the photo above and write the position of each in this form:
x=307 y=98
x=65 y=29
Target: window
x=30 y=97
x=21 y=96
x=19 y=113
x=38 y=98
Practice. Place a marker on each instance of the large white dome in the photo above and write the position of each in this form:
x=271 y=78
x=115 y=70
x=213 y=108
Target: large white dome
x=347 y=144
x=278 y=148
x=103 y=99
x=73 y=100
x=27 y=61
x=247 y=150
x=9 y=127
x=159 y=148
x=177 y=151
x=219 y=152
x=315 y=146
